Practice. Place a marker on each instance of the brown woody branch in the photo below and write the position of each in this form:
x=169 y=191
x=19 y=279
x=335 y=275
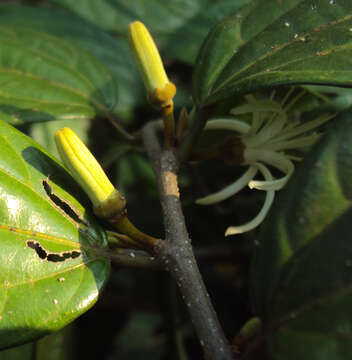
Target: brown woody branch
x=176 y=255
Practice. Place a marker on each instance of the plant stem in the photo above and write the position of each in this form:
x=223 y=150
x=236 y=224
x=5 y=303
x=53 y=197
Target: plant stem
x=167 y=113
x=120 y=129
x=134 y=259
x=125 y=226
x=176 y=253
x=176 y=330
x=118 y=240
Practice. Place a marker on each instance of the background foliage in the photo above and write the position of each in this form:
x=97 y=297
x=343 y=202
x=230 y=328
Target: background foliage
x=67 y=63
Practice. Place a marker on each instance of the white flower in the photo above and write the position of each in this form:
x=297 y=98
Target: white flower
x=265 y=141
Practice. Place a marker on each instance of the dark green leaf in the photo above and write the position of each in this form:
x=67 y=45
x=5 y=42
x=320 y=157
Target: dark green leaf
x=274 y=42
x=57 y=346
x=23 y=352
x=42 y=133
x=43 y=77
x=179 y=26
x=50 y=268
x=341 y=98
x=184 y=43
x=302 y=271
x=137 y=341
x=115 y=15
x=114 y=53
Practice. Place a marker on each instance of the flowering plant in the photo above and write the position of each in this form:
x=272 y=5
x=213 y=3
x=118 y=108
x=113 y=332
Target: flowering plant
x=118 y=119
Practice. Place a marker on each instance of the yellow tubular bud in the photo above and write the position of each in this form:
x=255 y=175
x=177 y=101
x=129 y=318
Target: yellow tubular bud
x=107 y=201
x=160 y=89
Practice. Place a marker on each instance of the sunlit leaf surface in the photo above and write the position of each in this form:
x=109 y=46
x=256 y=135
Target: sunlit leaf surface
x=43 y=77
x=50 y=268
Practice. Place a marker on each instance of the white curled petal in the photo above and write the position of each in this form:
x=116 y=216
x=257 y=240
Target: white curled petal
x=229 y=190
x=227 y=124
x=275 y=159
x=269 y=198
x=276 y=184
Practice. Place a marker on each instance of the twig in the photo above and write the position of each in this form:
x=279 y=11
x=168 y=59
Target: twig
x=176 y=253
x=134 y=259
x=120 y=129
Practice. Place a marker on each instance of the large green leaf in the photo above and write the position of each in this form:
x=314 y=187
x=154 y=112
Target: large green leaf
x=114 y=53
x=115 y=15
x=340 y=99
x=50 y=268
x=275 y=42
x=179 y=26
x=43 y=77
x=134 y=341
x=184 y=43
x=302 y=271
x=23 y=352
x=56 y=346
x=42 y=133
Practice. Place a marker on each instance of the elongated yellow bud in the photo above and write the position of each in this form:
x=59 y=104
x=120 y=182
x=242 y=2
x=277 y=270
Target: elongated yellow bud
x=160 y=90
x=107 y=201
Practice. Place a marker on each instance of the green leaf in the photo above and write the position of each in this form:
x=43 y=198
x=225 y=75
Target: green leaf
x=341 y=98
x=51 y=270
x=179 y=27
x=23 y=352
x=114 y=53
x=184 y=43
x=302 y=270
x=137 y=341
x=115 y=15
x=272 y=42
x=43 y=77
x=57 y=346
x=42 y=133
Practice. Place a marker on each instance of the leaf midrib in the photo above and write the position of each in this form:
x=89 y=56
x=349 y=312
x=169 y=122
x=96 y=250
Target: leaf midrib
x=83 y=263
x=38 y=195
x=23 y=48
x=55 y=83
x=244 y=42
x=279 y=47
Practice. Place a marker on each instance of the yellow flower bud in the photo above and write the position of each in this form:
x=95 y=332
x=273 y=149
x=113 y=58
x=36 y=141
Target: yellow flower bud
x=85 y=169
x=160 y=89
